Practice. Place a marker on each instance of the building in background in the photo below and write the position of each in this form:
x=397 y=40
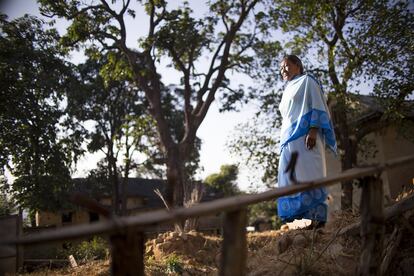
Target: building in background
x=386 y=143
x=141 y=198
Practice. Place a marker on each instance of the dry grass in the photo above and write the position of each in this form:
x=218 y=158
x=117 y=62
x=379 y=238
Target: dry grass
x=93 y=268
x=304 y=252
x=200 y=254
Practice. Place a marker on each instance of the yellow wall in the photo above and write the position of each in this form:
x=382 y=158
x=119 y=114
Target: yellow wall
x=48 y=218
x=44 y=218
x=397 y=146
x=389 y=145
x=135 y=202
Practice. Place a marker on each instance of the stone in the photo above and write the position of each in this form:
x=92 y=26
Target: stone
x=164 y=246
x=284 y=228
x=174 y=235
x=283 y=244
x=184 y=236
x=335 y=249
x=299 y=241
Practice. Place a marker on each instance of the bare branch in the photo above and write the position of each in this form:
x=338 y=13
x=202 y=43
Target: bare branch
x=154 y=22
x=331 y=66
x=228 y=40
x=357 y=8
x=106 y=46
x=107 y=8
x=178 y=227
x=223 y=19
x=124 y=7
x=177 y=59
x=211 y=70
x=187 y=86
x=74 y=15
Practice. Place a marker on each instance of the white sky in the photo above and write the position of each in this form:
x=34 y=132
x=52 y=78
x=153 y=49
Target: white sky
x=215 y=129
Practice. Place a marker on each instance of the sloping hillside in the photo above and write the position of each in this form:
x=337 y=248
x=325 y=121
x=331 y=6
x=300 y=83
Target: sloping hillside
x=324 y=251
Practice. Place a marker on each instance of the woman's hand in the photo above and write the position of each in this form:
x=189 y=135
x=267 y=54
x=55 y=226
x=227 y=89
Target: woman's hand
x=310 y=139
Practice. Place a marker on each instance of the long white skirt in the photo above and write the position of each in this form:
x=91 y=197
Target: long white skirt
x=310 y=165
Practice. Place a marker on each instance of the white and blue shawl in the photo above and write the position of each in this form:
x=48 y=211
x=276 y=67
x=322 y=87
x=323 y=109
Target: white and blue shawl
x=303 y=105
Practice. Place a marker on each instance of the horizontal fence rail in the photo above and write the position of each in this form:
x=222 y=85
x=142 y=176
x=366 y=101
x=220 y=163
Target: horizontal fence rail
x=140 y=221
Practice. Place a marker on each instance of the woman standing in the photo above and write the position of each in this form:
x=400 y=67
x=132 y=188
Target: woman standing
x=306 y=129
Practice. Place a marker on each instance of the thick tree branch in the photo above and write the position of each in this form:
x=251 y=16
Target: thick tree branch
x=107 y=8
x=124 y=7
x=72 y=15
x=152 y=22
x=338 y=26
x=228 y=41
x=331 y=67
x=354 y=10
x=211 y=71
x=187 y=86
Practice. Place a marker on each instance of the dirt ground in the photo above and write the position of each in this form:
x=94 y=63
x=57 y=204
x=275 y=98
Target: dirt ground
x=279 y=252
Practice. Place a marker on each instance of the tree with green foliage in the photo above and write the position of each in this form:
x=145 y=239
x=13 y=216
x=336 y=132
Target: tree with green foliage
x=34 y=78
x=264 y=212
x=121 y=125
x=355 y=41
x=174 y=35
x=122 y=128
x=255 y=143
x=225 y=181
x=7 y=206
x=347 y=43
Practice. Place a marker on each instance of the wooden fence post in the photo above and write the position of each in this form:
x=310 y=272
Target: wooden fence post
x=127 y=252
x=372 y=225
x=234 y=245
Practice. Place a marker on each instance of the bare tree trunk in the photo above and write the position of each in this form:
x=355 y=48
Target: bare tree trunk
x=113 y=174
x=174 y=193
x=348 y=161
x=192 y=196
x=115 y=197
x=123 y=196
x=347 y=145
x=124 y=185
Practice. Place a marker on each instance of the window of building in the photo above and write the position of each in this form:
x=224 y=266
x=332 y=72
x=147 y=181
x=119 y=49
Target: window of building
x=93 y=217
x=66 y=217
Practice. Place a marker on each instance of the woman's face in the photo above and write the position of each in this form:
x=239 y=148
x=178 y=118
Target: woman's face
x=288 y=69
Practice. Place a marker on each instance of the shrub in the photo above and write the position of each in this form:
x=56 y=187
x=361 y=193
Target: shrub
x=174 y=264
x=95 y=249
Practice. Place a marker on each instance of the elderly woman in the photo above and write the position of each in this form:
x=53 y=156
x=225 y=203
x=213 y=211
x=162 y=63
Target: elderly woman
x=306 y=129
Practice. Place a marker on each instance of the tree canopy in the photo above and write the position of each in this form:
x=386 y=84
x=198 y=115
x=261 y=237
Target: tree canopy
x=174 y=34
x=34 y=78
x=45 y=100
x=346 y=44
x=224 y=181
x=355 y=41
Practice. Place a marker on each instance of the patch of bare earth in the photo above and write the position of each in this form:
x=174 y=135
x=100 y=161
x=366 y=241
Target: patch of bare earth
x=307 y=252
x=282 y=252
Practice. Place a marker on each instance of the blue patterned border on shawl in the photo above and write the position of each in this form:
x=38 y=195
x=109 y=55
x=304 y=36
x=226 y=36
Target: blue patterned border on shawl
x=308 y=205
x=314 y=118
